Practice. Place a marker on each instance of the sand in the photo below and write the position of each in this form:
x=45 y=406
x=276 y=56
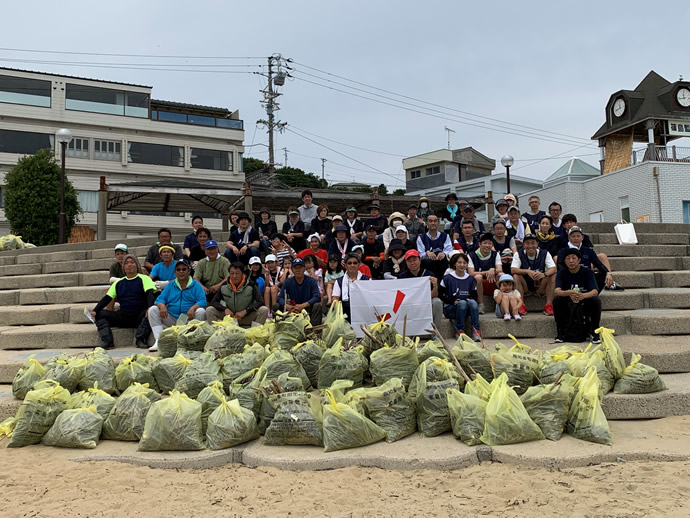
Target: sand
x=41 y=482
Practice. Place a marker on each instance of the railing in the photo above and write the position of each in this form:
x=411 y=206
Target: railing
x=661 y=154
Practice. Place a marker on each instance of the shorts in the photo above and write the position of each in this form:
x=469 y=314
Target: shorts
x=530 y=284
x=499 y=313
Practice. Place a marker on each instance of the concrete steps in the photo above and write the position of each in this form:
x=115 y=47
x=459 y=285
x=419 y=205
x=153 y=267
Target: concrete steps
x=54 y=280
x=70 y=295
x=59 y=336
x=643 y=250
x=643 y=239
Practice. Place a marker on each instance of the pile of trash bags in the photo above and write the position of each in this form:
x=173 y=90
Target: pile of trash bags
x=300 y=387
x=12 y=242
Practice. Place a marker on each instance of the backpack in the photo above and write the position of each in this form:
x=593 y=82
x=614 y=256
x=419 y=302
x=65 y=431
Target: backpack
x=578 y=324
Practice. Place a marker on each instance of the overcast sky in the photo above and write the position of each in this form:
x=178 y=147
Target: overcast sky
x=534 y=64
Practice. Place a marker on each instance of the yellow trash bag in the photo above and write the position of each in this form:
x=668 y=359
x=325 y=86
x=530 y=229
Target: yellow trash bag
x=309 y=354
x=290 y=329
x=96 y=397
x=577 y=362
x=519 y=362
x=586 y=420
x=126 y=419
x=99 y=368
x=67 y=372
x=507 y=421
x=199 y=374
x=31 y=372
x=38 y=412
x=384 y=333
x=390 y=407
x=75 y=428
x=548 y=406
x=345 y=428
x=479 y=387
x=168 y=371
x=339 y=364
x=598 y=359
x=135 y=369
x=298 y=419
x=554 y=362
x=237 y=364
x=467 y=416
x=432 y=348
x=229 y=425
x=210 y=398
x=639 y=378
x=245 y=389
x=393 y=362
x=473 y=358
x=337 y=326
x=167 y=341
x=432 y=370
x=7 y=426
x=283 y=383
x=228 y=338
x=261 y=335
x=173 y=424
x=615 y=362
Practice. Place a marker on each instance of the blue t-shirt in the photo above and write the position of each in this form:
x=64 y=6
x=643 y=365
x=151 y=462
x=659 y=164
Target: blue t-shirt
x=190 y=241
x=161 y=272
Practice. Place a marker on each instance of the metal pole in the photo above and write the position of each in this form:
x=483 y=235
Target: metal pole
x=323 y=168
x=271 y=159
x=61 y=234
x=507 y=179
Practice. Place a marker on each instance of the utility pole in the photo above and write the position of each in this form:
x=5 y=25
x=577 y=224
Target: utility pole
x=323 y=168
x=449 y=131
x=285 y=152
x=276 y=77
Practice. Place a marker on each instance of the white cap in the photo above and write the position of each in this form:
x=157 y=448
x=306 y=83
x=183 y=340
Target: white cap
x=122 y=246
x=254 y=260
x=401 y=227
x=454 y=252
x=269 y=257
x=314 y=235
x=338 y=216
x=358 y=247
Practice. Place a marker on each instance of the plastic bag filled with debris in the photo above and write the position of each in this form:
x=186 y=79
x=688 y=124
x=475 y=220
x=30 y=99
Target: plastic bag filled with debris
x=507 y=421
x=282 y=383
x=135 y=369
x=126 y=420
x=338 y=363
x=393 y=362
x=290 y=329
x=75 y=428
x=210 y=398
x=586 y=419
x=237 y=364
x=31 y=372
x=639 y=378
x=519 y=363
x=167 y=341
x=467 y=415
x=168 y=370
x=228 y=338
x=280 y=361
x=345 y=428
x=390 y=407
x=297 y=420
x=615 y=362
x=479 y=387
x=554 y=362
x=101 y=400
x=432 y=348
x=309 y=354
x=433 y=369
x=473 y=358
x=99 y=368
x=384 y=334
x=337 y=326
x=229 y=425
x=173 y=424
x=193 y=336
x=199 y=374
x=66 y=371
x=261 y=335
x=606 y=380
x=433 y=416
x=38 y=412
x=548 y=406
x=246 y=388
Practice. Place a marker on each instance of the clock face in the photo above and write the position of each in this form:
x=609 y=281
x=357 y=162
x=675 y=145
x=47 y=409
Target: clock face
x=683 y=97
x=619 y=107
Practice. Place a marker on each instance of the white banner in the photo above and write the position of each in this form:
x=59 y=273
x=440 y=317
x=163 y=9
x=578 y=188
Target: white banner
x=391 y=300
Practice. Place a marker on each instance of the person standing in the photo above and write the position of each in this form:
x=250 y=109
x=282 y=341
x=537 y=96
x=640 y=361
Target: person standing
x=307 y=211
x=301 y=292
x=532 y=217
x=190 y=240
x=415 y=224
x=295 y=230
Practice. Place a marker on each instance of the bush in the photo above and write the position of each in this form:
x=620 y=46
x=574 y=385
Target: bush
x=32 y=199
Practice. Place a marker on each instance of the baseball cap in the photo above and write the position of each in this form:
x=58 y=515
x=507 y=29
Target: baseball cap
x=122 y=246
x=401 y=227
x=293 y=211
x=270 y=257
x=351 y=209
x=254 y=260
x=575 y=229
x=210 y=244
x=505 y=278
x=411 y=253
x=297 y=261
x=467 y=208
x=370 y=227
x=338 y=217
x=358 y=247
x=528 y=237
x=396 y=244
x=502 y=201
x=183 y=261
x=506 y=253
x=513 y=207
x=572 y=251
x=340 y=228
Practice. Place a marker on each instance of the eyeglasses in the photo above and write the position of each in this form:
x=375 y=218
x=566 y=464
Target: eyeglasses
x=180 y=269
x=352 y=263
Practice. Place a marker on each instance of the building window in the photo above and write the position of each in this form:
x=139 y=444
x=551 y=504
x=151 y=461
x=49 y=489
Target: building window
x=625 y=208
x=21 y=90
x=2 y=197
x=107 y=150
x=24 y=142
x=432 y=170
x=240 y=160
x=78 y=148
x=155 y=154
x=197 y=120
x=105 y=100
x=211 y=159
x=415 y=174
x=88 y=200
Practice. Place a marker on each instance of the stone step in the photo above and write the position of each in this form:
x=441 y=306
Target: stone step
x=70 y=295
x=30 y=257
x=643 y=250
x=62 y=336
x=596 y=227
x=675 y=279
x=54 y=280
x=629 y=279
x=640 y=264
x=644 y=239
x=35 y=315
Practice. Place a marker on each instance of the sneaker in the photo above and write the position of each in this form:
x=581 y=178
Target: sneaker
x=523 y=310
x=615 y=287
x=518 y=317
x=548 y=310
x=476 y=335
x=153 y=348
x=595 y=339
x=141 y=344
x=558 y=340
x=506 y=316
x=458 y=333
x=482 y=311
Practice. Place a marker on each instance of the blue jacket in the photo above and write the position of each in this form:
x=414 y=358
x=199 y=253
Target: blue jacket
x=178 y=300
x=308 y=291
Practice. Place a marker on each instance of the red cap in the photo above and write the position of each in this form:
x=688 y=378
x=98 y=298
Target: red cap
x=411 y=253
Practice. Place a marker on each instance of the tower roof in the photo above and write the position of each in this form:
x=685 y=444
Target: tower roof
x=574 y=168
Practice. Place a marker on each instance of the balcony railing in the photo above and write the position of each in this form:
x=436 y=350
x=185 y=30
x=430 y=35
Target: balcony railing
x=661 y=154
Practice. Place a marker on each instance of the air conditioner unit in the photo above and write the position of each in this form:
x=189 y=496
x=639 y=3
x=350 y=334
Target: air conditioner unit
x=187 y=216
x=123 y=213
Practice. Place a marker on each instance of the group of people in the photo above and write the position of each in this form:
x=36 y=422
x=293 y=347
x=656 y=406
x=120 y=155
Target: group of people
x=316 y=258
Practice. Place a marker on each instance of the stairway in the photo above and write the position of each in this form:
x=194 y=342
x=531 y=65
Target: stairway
x=44 y=291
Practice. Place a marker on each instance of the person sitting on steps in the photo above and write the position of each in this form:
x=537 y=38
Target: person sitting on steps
x=459 y=294
x=238 y=297
x=484 y=263
x=534 y=271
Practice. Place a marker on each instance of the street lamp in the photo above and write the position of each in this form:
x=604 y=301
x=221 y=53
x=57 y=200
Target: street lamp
x=64 y=137
x=507 y=161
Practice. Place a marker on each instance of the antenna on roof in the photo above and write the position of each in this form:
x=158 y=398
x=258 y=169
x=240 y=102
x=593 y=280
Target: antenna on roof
x=449 y=131
x=680 y=78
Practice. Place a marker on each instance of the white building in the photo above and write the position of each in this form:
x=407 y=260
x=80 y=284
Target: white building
x=152 y=153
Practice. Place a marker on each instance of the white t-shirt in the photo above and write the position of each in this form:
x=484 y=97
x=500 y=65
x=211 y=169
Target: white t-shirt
x=518 y=264
x=498 y=264
x=344 y=293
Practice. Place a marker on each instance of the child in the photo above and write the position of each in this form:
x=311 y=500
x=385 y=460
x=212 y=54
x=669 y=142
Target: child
x=313 y=271
x=508 y=299
x=275 y=275
x=256 y=273
x=335 y=271
x=460 y=295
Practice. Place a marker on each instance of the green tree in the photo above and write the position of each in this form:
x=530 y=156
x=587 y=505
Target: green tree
x=383 y=189
x=399 y=192
x=295 y=177
x=252 y=165
x=32 y=199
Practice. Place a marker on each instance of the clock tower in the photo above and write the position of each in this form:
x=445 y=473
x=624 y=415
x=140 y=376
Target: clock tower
x=656 y=112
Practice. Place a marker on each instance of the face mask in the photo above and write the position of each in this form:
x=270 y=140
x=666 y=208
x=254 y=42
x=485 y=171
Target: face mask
x=396 y=222
x=422 y=205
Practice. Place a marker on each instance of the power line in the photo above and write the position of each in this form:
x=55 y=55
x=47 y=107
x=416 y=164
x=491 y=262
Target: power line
x=184 y=65
x=349 y=145
x=128 y=55
x=115 y=67
x=433 y=104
